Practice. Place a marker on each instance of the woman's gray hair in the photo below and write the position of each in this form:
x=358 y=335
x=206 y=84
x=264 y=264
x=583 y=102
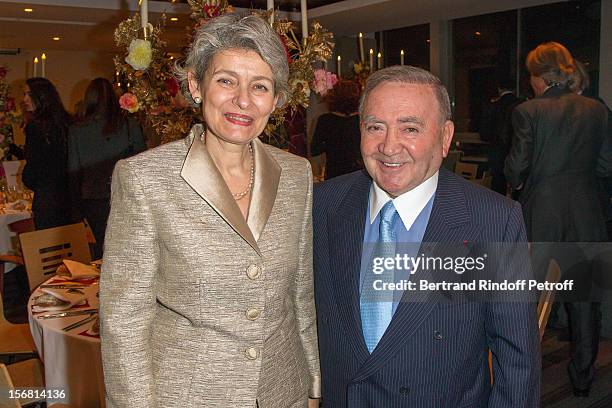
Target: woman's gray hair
x=234 y=31
x=407 y=74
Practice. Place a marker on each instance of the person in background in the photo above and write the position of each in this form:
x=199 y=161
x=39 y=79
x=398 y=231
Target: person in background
x=46 y=152
x=557 y=145
x=208 y=253
x=337 y=132
x=103 y=135
x=496 y=128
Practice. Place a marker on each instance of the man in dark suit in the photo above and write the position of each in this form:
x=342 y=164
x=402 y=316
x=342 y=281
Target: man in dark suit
x=557 y=146
x=496 y=128
x=399 y=347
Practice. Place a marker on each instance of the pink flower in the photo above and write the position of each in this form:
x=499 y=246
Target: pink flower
x=129 y=102
x=324 y=81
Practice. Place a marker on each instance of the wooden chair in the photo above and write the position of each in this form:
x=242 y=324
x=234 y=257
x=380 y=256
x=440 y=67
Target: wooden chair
x=44 y=250
x=22 y=375
x=451 y=159
x=545 y=303
x=547 y=297
x=6 y=385
x=17 y=227
x=466 y=170
x=14 y=338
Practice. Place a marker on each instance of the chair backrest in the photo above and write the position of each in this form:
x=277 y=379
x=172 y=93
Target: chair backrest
x=12 y=172
x=485 y=181
x=451 y=159
x=466 y=170
x=6 y=384
x=44 y=250
x=547 y=297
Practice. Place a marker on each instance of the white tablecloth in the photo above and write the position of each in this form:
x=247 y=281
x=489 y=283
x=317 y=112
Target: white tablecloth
x=72 y=360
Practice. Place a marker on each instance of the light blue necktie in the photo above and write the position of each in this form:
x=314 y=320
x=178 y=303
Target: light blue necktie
x=377 y=306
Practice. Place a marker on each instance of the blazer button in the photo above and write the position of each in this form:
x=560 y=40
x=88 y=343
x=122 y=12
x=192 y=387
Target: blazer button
x=253 y=314
x=253 y=272
x=404 y=390
x=251 y=353
x=437 y=335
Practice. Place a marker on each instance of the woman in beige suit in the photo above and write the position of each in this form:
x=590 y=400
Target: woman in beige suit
x=206 y=296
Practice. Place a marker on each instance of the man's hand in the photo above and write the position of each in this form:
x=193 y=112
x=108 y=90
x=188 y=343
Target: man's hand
x=313 y=403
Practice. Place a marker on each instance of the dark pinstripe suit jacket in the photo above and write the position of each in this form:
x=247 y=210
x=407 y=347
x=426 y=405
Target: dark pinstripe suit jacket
x=433 y=354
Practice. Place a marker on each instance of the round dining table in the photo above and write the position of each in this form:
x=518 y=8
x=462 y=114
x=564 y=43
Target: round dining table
x=71 y=358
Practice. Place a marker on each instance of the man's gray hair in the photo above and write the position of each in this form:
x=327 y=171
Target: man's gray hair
x=234 y=31
x=406 y=74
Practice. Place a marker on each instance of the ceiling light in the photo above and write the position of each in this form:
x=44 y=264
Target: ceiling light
x=477 y=33
x=173 y=18
x=28 y=10
x=56 y=38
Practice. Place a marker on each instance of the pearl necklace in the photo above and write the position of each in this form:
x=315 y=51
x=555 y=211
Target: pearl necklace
x=238 y=196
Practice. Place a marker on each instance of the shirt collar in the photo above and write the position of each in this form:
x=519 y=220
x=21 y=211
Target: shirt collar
x=409 y=205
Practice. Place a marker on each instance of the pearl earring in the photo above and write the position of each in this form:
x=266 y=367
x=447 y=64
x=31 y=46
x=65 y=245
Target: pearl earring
x=197 y=100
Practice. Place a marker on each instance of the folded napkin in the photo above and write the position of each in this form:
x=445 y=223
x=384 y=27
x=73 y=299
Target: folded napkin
x=56 y=300
x=72 y=270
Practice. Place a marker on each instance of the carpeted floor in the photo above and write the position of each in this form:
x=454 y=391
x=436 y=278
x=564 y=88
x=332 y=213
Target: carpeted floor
x=556 y=389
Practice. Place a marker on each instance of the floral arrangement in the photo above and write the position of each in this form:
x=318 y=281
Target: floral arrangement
x=324 y=81
x=153 y=94
x=156 y=95
x=361 y=72
x=9 y=114
x=301 y=55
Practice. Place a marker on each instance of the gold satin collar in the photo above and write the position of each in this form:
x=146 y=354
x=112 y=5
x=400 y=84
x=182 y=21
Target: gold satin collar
x=201 y=173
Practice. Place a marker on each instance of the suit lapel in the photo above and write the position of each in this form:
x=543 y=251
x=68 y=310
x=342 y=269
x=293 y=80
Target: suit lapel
x=448 y=222
x=267 y=177
x=201 y=173
x=345 y=234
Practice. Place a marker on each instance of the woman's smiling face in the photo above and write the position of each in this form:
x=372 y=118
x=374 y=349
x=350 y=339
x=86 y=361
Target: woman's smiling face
x=237 y=95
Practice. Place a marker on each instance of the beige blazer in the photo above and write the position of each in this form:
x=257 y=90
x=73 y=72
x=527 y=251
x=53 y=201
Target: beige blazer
x=199 y=308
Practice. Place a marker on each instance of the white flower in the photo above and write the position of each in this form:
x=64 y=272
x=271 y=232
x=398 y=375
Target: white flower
x=139 y=54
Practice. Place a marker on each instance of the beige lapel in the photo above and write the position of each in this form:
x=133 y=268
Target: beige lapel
x=267 y=177
x=201 y=173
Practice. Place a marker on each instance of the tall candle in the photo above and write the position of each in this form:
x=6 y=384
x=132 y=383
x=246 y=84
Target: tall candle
x=339 y=63
x=35 y=66
x=144 y=14
x=402 y=57
x=42 y=65
x=362 y=59
x=270 y=6
x=371 y=60
x=379 y=61
x=304 y=13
